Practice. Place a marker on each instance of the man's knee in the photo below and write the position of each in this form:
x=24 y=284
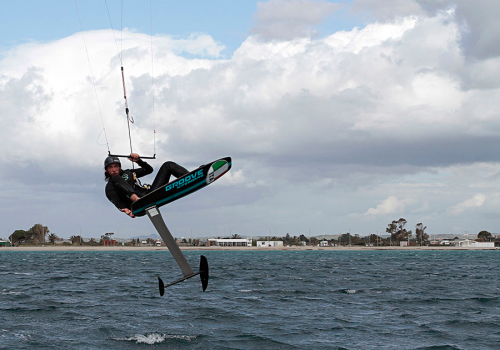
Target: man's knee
x=167 y=165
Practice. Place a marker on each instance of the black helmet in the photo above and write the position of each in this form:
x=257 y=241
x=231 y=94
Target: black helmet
x=111 y=160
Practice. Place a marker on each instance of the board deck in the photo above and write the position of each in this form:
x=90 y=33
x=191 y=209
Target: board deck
x=182 y=186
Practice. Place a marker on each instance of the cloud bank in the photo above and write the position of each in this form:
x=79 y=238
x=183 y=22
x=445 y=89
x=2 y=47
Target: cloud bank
x=319 y=127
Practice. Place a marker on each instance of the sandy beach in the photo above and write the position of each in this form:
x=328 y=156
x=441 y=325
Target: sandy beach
x=294 y=248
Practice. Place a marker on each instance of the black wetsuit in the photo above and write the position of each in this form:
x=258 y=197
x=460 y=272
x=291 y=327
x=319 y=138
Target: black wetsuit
x=121 y=187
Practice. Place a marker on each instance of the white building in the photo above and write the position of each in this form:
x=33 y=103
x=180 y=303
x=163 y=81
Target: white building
x=269 y=244
x=474 y=244
x=230 y=242
x=323 y=244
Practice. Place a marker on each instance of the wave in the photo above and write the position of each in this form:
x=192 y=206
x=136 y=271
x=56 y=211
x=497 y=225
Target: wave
x=346 y=291
x=438 y=347
x=5 y=292
x=156 y=338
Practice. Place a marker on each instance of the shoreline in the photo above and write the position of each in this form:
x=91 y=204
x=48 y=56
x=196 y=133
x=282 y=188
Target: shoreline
x=217 y=248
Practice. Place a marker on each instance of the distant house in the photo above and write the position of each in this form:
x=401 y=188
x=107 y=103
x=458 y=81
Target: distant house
x=269 y=244
x=323 y=243
x=474 y=244
x=108 y=242
x=229 y=242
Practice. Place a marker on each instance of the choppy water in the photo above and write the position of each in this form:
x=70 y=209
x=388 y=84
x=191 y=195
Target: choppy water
x=255 y=300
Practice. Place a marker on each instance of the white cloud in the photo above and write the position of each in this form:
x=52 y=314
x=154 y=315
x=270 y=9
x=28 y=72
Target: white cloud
x=478 y=22
x=391 y=205
x=475 y=202
x=310 y=121
x=234 y=178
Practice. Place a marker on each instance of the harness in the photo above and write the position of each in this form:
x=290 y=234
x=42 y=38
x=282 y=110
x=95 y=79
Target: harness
x=138 y=183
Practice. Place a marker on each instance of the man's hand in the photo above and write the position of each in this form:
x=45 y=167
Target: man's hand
x=134 y=157
x=134 y=197
x=128 y=212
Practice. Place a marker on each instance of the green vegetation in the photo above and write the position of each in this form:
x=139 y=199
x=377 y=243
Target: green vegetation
x=35 y=235
x=39 y=234
x=422 y=236
x=397 y=230
x=53 y=238
x=484 y=236
x=397 y=233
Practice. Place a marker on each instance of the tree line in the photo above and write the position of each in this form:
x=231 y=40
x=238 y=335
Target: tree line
x=397 y=231
x=40 y=234
x=35 y=235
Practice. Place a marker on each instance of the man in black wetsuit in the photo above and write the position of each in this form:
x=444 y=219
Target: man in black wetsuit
x=123 y=186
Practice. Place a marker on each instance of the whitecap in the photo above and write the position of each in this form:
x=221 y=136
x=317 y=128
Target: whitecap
x=22 y=336
x=10 y=293
x=24 y=273
x=155 y=338
x=351 y=291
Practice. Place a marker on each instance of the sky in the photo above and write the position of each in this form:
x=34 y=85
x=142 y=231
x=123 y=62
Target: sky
x=340 y=116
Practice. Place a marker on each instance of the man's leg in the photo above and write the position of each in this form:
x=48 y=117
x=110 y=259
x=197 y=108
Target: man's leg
x=163 y=176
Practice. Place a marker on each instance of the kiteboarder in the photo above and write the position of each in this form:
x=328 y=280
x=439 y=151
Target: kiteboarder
x=123 y=186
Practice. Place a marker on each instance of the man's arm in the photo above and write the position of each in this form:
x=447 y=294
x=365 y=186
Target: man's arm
x=114 y=198
x=145 y=169
x=121 y=185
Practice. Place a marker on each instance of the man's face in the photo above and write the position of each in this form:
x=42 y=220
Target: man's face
x=113 y=169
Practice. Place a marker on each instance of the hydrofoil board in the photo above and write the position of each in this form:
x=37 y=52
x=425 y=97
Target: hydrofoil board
x=182 y=186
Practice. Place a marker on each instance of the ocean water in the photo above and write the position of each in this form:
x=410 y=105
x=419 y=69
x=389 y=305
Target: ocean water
x=255 y=300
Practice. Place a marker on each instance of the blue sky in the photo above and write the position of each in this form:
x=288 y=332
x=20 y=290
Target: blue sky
x=227 y=21
x=338 y=115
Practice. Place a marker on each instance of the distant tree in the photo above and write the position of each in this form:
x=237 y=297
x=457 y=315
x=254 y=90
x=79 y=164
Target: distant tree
x=286 y=239
x=303 y=238
x=392 y=229
x=20 y=237
x=484 y=236
x=374 y=239
x=108 y=235
x=235 y=236
x=38 y=233
x=421 y=235
x=397 y=230
x=93 y=242
x=75 y=239
x=314 y=241
x=53 y=238
x=345 y=239
x=355 y=240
